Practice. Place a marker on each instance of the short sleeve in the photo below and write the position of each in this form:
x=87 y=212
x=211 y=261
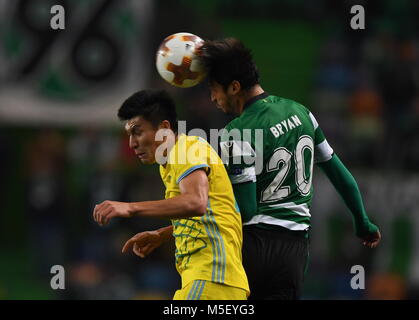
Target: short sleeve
x=238 y=156
x=192 y=154
x=322 y=150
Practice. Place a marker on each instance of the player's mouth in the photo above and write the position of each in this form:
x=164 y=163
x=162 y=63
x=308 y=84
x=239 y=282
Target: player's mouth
x=141 y=155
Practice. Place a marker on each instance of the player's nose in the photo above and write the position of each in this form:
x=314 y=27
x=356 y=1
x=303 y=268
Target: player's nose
x=132 y=143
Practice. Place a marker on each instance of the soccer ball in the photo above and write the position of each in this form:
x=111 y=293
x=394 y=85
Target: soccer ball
x=177 y=61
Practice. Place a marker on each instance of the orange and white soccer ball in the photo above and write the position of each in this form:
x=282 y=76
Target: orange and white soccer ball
x=177 y=61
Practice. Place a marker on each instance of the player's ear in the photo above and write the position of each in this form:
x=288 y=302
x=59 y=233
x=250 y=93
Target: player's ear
x=165 y=124
x=234 y=87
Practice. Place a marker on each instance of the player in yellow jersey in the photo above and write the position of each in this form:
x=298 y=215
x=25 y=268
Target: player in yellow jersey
x=206 y=222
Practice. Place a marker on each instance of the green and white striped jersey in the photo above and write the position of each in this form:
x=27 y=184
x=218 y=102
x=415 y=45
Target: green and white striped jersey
x=274 y=143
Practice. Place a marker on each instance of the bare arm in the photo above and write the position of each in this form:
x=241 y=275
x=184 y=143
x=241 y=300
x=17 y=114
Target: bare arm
x=166 y=233
x=143 y=243
x=190 y=203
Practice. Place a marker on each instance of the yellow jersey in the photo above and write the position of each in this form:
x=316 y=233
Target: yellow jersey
x=208 y=247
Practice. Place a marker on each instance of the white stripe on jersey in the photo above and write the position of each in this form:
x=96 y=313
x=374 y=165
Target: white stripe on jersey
x=238 y=149
x=247 y=174
x=300 y=209
x=291 y=225
x=314 y=121
x=323 y=152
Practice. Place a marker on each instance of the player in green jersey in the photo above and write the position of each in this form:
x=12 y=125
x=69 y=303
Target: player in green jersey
x=272 y=172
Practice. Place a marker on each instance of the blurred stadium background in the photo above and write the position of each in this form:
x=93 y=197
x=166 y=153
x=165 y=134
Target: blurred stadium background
x=62 y=149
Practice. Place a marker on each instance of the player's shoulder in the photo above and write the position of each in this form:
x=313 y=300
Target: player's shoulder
x=236 y=123
x=286 y=102
x=267 y=108
x=193 y=141
x=184 y=142
x=190 y=150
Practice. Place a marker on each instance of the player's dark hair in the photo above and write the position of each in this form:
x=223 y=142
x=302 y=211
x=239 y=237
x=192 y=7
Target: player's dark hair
x=153 y=105
x=227 y=60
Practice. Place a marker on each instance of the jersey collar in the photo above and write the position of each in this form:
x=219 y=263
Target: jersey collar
x=254 y=99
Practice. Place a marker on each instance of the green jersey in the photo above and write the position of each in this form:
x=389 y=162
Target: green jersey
x=274 y=143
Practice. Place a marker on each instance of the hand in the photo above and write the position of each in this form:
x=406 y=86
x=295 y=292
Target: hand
x=143 y=243
x=107 y=210
x=372 y=240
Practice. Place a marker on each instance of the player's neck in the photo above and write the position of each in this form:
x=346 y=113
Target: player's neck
x=247 y=95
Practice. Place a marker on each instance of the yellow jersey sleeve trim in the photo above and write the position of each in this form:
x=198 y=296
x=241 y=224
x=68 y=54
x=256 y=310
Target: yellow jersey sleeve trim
x=190 y=170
